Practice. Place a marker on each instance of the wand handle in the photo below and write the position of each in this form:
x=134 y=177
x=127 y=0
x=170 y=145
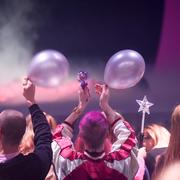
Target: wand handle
x=141 y=137
x=142 y=122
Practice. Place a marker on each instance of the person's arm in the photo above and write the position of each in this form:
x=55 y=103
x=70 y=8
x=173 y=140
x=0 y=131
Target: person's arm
x=121 y=129
x=42 y=133
x=78 y=110
x=124 y=148
x=64 y=132
x=62 y=145
x=111 y=115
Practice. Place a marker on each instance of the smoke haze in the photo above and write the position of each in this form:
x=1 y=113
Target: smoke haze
x=16 y=39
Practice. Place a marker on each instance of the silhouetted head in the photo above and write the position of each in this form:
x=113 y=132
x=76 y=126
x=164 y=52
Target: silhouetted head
x=12 y=127
x=93 y=129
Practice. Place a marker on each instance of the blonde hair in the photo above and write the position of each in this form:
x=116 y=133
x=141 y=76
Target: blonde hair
x=27 y=143
x=159 y=134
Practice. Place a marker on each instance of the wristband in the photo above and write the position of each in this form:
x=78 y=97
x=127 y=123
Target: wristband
x=69 y=124
x=115 y=121
x=77 y=110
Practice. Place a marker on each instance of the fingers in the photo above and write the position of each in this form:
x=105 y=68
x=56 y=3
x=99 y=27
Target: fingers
x=98 y=88
x=105 y=89
x=87 y=92
x=27 y=83
x=101 y=88
x=84 y=91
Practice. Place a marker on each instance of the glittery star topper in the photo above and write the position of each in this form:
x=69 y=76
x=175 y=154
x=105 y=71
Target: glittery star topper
x=144 y=105
x=82 y=78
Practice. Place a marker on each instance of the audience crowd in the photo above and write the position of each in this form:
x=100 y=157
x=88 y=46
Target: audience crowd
x=35 y=147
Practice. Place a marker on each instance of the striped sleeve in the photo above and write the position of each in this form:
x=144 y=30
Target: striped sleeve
x=123 y=155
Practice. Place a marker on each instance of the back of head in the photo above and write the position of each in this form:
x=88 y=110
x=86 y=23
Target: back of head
x=175 y=120
x=162 y=135
x=51 y=121
x=173 y=152
x=159 y=134
x=12 y=126
x=27 y=144
x=93 y=129
x=29 y=125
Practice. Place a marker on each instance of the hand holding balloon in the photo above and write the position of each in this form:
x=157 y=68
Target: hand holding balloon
x=124 y=69
x=48 y=68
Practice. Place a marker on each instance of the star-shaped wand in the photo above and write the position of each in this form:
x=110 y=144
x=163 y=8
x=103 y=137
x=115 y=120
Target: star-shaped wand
x=144 y=107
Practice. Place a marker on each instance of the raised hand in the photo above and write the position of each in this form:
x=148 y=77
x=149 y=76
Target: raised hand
x=77 y=111
x=84 y=96
x=28 y=91
x=103 y=91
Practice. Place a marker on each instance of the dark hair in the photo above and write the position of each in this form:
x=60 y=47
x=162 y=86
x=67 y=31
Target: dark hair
x=12 y=126
x=93 y=128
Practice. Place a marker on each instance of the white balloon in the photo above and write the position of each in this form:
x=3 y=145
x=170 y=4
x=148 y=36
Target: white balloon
x=48 y=68
x=124 y=69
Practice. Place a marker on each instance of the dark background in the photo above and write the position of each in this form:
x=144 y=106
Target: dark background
x=91 y=29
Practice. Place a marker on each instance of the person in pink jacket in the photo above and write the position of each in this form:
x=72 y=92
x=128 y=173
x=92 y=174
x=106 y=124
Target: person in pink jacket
x=94 y=162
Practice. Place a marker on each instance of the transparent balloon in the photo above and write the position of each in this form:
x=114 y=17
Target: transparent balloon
x=124 y=69
x=49 y=68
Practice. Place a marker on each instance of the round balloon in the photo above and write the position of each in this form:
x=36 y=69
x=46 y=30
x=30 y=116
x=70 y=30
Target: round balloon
x=124 y=69
x=48 y=68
